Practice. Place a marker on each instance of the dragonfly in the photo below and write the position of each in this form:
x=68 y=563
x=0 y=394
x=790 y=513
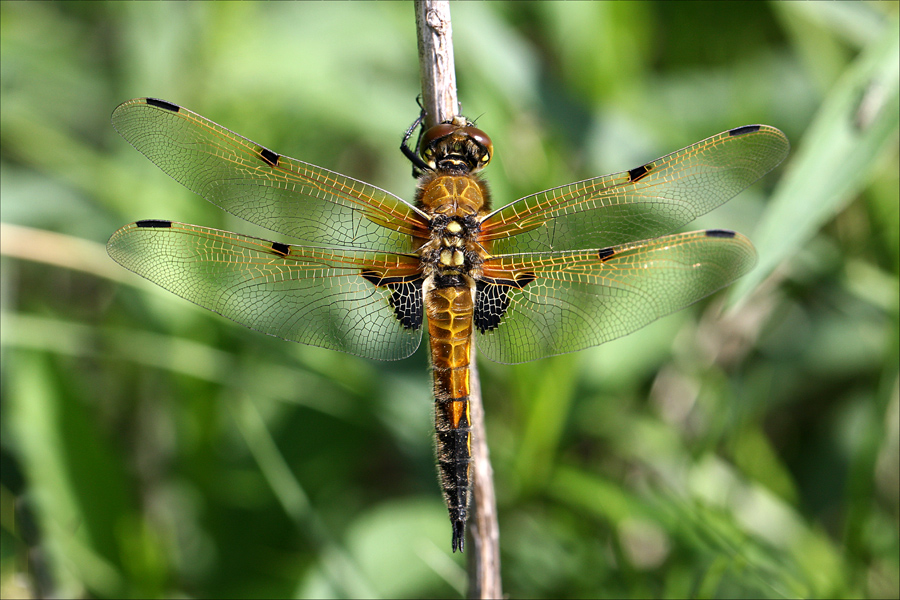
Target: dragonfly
x=550 y=273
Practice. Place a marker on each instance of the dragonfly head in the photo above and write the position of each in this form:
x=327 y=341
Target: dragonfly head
x=456 y=146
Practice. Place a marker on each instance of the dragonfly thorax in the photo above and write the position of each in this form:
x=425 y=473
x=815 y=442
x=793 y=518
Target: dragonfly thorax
x=452 y=251
x=456 y=204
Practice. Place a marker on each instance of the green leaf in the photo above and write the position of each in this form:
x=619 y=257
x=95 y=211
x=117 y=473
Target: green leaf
x=857 y=121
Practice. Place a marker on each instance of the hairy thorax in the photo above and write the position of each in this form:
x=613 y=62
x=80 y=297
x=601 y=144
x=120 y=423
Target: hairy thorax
x=457 y=203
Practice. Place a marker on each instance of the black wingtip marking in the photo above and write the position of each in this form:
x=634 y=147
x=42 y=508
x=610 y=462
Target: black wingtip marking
x=154 y=223
x=605 y=253
x=281 y=249
x=742 y=130
x=270 y=157
x=639 y=173
x=720 y=233
x=163 y=104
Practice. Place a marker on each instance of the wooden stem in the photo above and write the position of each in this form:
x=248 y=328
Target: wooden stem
x=436 y=66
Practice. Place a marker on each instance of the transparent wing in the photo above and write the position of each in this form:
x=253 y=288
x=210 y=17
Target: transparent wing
x=308 y=203
x=319 y=296
x=559 y=302
x=646 y=202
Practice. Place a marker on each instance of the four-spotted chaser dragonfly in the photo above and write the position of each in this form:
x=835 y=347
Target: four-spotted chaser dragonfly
x=553 y=272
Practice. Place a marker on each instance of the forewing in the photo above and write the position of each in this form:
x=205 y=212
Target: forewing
x=300 y=200
x=339 y=299
x=646 y=202
x=559 y=302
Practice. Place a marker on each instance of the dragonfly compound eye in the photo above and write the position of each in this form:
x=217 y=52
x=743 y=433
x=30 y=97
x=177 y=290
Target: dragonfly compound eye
x=432 y=136
x=482 y=139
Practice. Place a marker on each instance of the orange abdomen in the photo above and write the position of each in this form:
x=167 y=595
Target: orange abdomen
x=450 y=328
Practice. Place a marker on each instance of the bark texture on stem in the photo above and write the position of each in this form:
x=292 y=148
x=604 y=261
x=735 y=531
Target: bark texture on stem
x=484 y=559
x=436 y=66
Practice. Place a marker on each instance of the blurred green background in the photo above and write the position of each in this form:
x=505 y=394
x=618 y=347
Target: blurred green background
x=153 y=449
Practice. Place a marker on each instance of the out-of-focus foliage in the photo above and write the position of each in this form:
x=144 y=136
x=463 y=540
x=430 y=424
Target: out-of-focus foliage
x=150 y=448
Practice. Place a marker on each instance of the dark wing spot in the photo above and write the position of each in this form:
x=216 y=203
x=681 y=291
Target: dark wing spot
x=270 y=157
x=524 y=279
x=492 y=299
x=281 y=249
x=372 y=277
x=742 y=130
x=605 y=253
x=163 y=104
x=639 y=173
x=406 y=297
x=491 y=303
x=719 y=233
x=154 y=223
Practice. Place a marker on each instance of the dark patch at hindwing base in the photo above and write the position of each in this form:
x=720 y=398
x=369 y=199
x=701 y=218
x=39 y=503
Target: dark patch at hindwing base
x=492 y=300
x=406 y=297
x=490 y=306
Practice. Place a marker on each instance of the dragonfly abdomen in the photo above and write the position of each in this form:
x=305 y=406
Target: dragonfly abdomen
x=450 y=312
